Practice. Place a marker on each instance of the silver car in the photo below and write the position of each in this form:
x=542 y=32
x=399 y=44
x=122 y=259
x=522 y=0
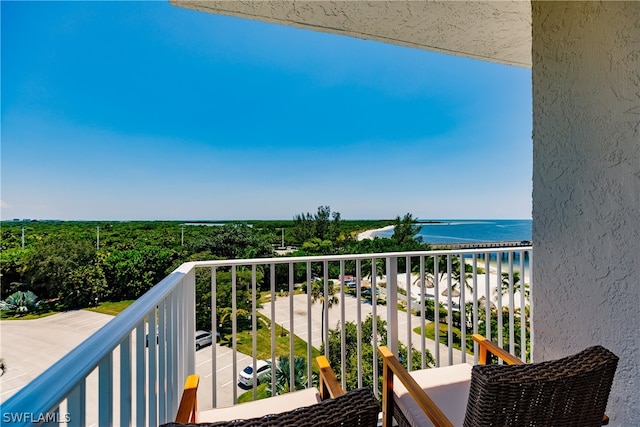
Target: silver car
x=203 y=338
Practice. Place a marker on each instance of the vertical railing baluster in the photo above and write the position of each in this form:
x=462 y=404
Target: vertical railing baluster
x=392 y=304
x=343 y=334
x=234 y=331
x=274 y=326
x=408 y=301
x=475 y=306
x=292 y=370
x=254 y=325
x=141 y=391
x=172 y=380
x=423 y=303
x=374 y=325
x=105 y=391
x=214 y=329
x=512 y=336
x=462 y=308
x=532 y=310
x=499 y=300
x=162 y=363
x=523 y=276
x=487 y=295
x=325 y=314
x=77 y=405
x=125 y=381
x=152 y=385
x=449 y=309
x=436 y=306
x=179 y=382
x=190 y=282
x=359 y=320
x=309 y=329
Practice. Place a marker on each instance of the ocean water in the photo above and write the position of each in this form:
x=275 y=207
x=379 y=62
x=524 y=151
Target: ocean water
x=470 y=231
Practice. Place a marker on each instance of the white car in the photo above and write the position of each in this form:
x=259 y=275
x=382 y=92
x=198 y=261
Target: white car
x=263 y=370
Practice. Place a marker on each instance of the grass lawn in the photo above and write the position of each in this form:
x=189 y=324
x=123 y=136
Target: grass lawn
x=112 y=308
x=244 y=344
x=444 y=331
x=7 y=316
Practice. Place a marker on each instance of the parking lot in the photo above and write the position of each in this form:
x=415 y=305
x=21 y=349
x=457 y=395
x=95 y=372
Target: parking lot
x=29 y=347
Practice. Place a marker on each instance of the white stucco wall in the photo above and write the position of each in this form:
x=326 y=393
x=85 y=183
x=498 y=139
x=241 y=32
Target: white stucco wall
x=586 y=187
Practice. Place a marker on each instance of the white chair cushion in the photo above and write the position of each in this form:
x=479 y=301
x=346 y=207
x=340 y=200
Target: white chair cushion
x=447 y=386
x=262 y=407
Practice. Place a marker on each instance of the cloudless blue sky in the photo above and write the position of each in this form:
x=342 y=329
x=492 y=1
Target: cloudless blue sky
x=141 y=110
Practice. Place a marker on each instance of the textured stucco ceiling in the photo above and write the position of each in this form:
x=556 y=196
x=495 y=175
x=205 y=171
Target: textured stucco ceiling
x=497 y=31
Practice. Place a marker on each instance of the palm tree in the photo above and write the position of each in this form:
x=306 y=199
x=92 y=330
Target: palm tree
x=328 y=301
x=282 y=375
x=505 y=284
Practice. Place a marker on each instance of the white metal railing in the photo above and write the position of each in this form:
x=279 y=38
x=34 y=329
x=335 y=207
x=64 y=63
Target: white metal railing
x=143 y=387
x=113 y=378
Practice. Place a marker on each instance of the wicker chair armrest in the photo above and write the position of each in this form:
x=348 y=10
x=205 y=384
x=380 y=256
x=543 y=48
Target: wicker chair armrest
x=188 y=409
x=486 y=347
x=329 y=385
x=391 y=368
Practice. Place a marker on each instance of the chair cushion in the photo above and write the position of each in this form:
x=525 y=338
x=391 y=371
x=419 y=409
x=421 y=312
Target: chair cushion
x=447 y=386
x=357 y=408
x=260 y=408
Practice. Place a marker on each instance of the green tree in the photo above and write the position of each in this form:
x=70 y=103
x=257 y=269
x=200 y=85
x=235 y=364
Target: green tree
x=368 y=352
x=283 y=375
x=323 y=225
x=405 y=229
x=327 y=301
x=233 y=241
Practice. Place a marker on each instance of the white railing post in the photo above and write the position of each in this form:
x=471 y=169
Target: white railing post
x=392 y=304
x=105 y=389
x=77 y=405
x=125 y=381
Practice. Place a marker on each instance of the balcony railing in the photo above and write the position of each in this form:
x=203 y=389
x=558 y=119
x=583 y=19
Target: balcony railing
x=117 y=377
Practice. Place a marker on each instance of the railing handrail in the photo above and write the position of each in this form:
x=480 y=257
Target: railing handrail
x=76 y=365
x=350 y=257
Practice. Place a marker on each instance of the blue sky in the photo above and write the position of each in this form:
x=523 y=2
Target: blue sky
x=141 y=110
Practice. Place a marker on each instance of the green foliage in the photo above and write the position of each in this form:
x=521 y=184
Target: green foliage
x=369 y=353
x=283 y=375
x=20 y=303
x=224 y=294
x=323 y=225
x=60 y=261
x=134 y=271
x=405 y=229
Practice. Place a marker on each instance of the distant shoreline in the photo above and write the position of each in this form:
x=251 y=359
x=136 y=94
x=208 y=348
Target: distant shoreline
x=371 y=234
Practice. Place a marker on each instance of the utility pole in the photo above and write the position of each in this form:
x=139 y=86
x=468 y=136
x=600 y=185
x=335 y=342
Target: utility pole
x=22 y=237
x=98 y=238
x=282 y=237
x=182 y=234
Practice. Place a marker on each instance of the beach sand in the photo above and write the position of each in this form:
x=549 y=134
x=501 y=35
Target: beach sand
x=370 y=234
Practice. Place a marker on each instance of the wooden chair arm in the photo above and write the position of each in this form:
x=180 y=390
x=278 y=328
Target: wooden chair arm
x=391 y=367
x=486 y=347
x=329 y=385
x=188 y=409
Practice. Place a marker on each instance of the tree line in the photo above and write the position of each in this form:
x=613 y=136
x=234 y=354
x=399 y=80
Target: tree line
x=79 y=264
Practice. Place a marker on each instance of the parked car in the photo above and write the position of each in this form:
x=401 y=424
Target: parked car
x=263 y=370
x=366 y=292
x=203 y=338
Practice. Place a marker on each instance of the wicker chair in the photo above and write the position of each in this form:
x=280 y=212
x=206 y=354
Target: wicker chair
x=571 y=391
x=337 y=408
